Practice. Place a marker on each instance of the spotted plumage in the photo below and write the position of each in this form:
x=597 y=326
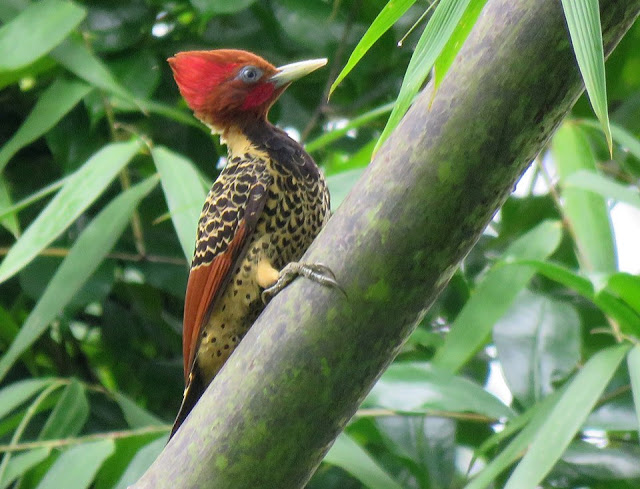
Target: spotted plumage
x=283 y=204
x=261 y=214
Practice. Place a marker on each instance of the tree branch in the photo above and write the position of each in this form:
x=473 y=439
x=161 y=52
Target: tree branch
x=300 y=373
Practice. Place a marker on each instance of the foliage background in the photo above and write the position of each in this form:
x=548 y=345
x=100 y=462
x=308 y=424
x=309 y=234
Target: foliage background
x=104 y=172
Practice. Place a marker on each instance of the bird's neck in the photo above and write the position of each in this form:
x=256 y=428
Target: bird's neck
x=241 y=139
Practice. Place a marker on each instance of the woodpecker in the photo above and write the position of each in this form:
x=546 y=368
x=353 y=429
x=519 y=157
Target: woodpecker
x=261 y=214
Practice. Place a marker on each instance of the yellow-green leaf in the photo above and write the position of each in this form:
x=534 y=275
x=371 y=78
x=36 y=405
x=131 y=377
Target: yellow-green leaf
x=39 y=28
x=583 y=20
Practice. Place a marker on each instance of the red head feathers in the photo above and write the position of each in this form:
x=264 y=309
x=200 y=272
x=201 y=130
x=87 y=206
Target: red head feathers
x=229 y=87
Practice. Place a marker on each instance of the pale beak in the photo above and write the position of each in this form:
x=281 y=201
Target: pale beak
x=288 y=73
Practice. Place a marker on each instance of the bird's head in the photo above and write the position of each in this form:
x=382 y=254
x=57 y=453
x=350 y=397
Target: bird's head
x=228 y=87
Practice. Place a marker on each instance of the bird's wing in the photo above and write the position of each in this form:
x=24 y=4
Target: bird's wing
x=227 y=223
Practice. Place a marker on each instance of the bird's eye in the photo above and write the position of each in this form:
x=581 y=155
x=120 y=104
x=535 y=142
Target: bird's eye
x=250 y=74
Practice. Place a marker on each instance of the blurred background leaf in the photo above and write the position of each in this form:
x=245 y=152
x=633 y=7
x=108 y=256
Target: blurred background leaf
x=519 y=351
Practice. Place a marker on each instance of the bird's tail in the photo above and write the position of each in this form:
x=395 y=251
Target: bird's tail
x=194 y=390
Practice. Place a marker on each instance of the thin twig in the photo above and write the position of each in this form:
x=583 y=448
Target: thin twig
x=376 y=413
x=133 y=257
x=333 y=73
x=110 y=435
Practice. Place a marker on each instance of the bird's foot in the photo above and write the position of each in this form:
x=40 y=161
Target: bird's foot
x=317 y=272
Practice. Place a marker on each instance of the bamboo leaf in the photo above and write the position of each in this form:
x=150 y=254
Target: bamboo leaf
x=341 y=184
x=52 y=105
x=455 y=42
x=331 y=136
x=628 y=320
x=414 y=387
x=627 y=287
x=141 y=462
x=69 y=415
x=21 y=463
x=77 y=466
x=74 y=56
x=633 y=362
x=566 y=418
x=40 y=28
x=382 y=23
x=76 y=195
x=183 y=192
x=136 y=416
x=586 y=212
x=8 y=219
x=620 y=135
x=441 y=25
x=583 y=20
x=606 y=187
x=15 y=394
x=84 y=257
x=493 y=297
x=348 y=455
x=528 y=424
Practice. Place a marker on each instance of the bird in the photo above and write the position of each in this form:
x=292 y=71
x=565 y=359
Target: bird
x=263 y=211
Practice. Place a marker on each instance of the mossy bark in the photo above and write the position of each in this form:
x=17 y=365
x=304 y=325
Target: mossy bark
x=299 y=375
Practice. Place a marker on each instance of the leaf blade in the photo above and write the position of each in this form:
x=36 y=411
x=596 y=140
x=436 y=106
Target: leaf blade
x=183 y=192
x=566 y=418
x=348 y=455
x=84 y=257
x=441 y=26
x=52 y=105
x=40 y=28
x=583 y=20
x=388 y=16
x=493 y=297
x=76 y=195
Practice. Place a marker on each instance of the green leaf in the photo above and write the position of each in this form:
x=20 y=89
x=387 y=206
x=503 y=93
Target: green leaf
x=35 y=197
x=434 y=37
x=538 y=344
x=494 y=295
x=382 y=23
x=583 y=19
x=633 y=362
x=455 y=42
x=221 y=6
x=52 y=105
x=141 y=462
x=76 y=57
x=412 y=387
x=77 y=466
x=8 y=219
x=184 y=193
x=86 y=184
x=69 y=415
x=627 y=287
x=21 y=463
x=594 y=182
x=586 y=212
x=348 y=455
x=15 y=394
x=566 y=418
x=136 y=416
x=628 y=320
x=341 y=184
x=584 y=460
x=84 y=257
x=329 y=137
x=529 y=423
x=620 y=135
x=39 y=28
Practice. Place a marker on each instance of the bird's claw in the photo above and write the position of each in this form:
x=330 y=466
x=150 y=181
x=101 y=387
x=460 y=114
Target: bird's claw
x=317 y=272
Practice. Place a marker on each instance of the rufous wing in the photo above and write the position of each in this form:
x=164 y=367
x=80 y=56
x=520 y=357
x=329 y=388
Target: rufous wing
x=205 y=282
